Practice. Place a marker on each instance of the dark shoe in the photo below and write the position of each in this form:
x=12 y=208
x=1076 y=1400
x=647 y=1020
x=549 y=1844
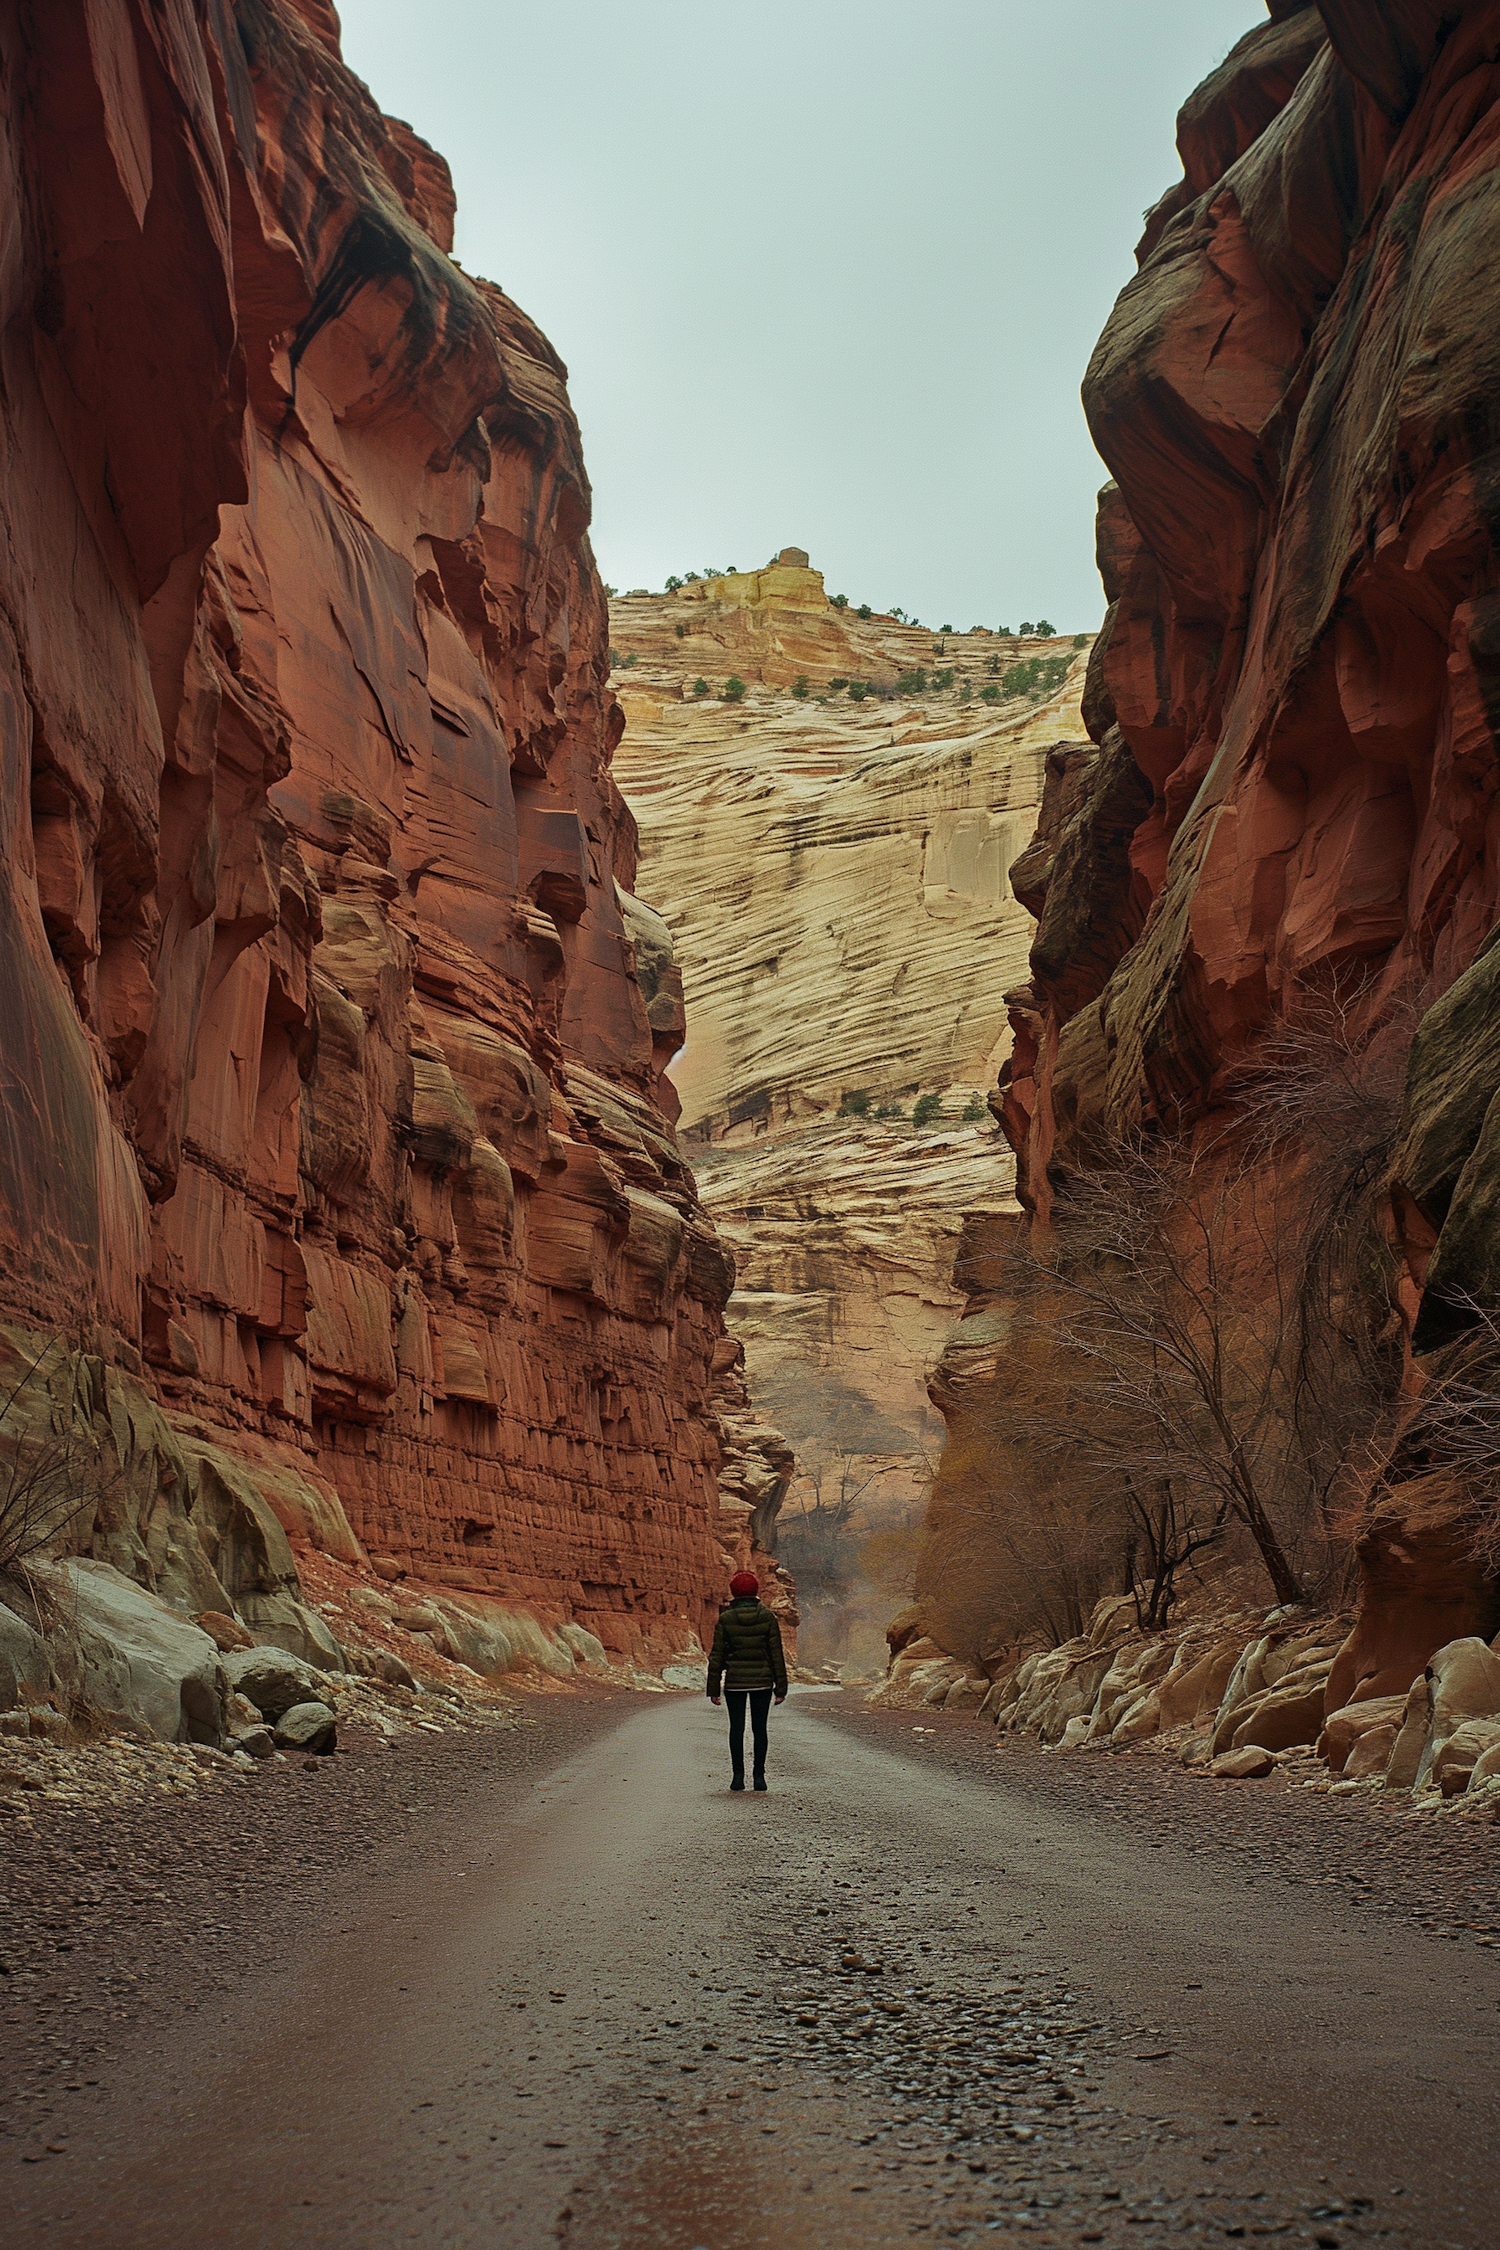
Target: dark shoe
x=738 y=1781
x=760 y=1781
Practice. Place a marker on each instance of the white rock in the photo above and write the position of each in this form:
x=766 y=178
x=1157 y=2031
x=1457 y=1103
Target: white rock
x=139 y=1659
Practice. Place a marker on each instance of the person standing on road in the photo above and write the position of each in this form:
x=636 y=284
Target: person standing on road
x=747 y=1659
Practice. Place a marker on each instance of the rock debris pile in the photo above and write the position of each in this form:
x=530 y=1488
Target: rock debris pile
x=1234 y=1700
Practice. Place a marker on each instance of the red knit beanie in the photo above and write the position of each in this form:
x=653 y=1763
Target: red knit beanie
x=744 y=1582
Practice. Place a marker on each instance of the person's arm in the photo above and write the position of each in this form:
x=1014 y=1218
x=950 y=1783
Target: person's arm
x=778 y=1659
x=718 y=1658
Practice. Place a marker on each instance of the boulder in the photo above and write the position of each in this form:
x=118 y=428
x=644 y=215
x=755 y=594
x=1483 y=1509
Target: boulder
x=588 y=1650
x=25 y=1665
x=1196 y=1683
x=1462 y=1682
x=307 y=1726
x=1139 y=1720
x=685 y=1676
x=278 y=1620
x=138 y=1660
x=1486 y=1769
x=1371 y=1752
x=1411 y=1736
x=381 y=1664
x=1073 y=1695
x=1287 y=1716
x=256 y=1742
x=1243 y=1682
x=225 y=1632
x=1465 y=1679
x=1454 y=1763
x=1251 y=1763
x=1132 y=1673
x=273 y=1679
x=1007 y=1692
x=1344 y=1728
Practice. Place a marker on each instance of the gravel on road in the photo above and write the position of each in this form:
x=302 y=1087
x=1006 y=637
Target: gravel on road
x=554 y=1985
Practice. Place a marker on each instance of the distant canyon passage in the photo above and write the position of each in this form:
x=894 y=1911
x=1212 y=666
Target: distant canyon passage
x=830 y=850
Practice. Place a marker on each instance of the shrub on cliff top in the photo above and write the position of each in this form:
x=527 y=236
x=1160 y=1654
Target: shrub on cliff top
x=839 y=601
x=864 y=610
x=1044 y=629
x=734 y=688
x=1080 y=640
x=1036 y=676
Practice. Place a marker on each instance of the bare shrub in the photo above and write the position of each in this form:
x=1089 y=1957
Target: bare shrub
x=1447 y=1429
x=52 y=1465
x=818 y=1534
x=847 y=1540
x=1015 y=1549
x=1200 y=1359
x=1229 y=1295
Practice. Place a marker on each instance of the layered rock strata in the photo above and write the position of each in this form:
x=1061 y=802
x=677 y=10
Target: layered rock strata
x=833 y=874
x=331 y=1130
x=1288 y=793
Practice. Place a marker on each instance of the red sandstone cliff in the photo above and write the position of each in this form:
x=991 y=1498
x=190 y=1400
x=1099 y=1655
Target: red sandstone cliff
x=1291 y=787
x=329 y=1094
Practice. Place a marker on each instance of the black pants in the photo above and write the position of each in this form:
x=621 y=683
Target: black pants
x=759 y=1700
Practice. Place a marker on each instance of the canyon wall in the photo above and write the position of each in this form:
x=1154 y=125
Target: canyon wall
x=1288 y=801
x=331 y=1144
x=833 y=872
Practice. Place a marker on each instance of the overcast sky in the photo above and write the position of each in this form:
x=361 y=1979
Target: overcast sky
x=825 y=273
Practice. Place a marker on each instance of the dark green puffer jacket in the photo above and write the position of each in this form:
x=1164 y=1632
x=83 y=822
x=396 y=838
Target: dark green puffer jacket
x=747 y=1649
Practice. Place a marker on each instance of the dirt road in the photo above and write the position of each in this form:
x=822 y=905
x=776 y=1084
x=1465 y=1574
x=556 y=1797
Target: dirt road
x=597 y=2001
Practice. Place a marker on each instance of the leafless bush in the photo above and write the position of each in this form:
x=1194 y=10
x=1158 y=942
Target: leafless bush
x=1451 y=1423
x=818 y=1534
x=1015 y=1547
x=52 y=1466
x=1224 y=1301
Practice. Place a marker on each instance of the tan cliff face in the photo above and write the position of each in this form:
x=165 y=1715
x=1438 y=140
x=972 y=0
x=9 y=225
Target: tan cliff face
x=833 y=873
x=330 y=1078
